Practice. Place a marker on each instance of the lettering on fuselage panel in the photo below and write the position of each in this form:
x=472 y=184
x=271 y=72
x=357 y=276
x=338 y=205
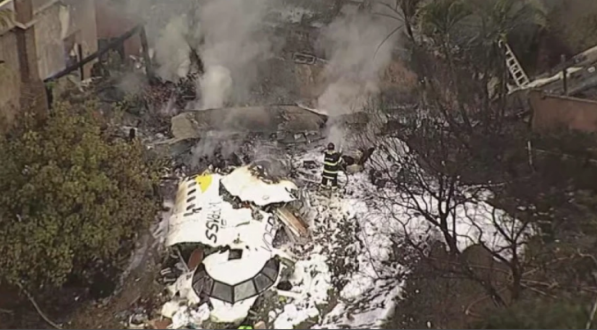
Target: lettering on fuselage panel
x=214 y=221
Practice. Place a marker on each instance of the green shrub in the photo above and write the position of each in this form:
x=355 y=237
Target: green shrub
x=72 y=197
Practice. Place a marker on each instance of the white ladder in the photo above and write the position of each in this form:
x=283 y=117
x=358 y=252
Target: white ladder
x=520 y=77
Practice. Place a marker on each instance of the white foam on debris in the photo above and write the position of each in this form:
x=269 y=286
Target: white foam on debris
x=311 y=283
x=358 y=229
x=368 y=298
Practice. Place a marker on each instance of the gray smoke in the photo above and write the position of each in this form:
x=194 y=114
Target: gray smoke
x=359 y=52
x=172 y=48
x=235 y=44
x=231 y=41
x=358 y=57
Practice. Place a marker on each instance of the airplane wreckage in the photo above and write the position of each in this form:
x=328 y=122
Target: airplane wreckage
x=282 y=124
x=233 y=219
x=225 y=225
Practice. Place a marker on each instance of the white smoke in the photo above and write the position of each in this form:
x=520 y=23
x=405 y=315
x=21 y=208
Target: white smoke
x=172 y=49
x=230 y=40
x=358 y=57
x=234 y=44
x=216 y=86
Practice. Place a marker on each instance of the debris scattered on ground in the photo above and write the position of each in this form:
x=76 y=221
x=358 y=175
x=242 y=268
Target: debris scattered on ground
x=344 y=275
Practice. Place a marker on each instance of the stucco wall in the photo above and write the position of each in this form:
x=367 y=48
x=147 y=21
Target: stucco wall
x=56 y=23
x=83 y=23
x=554 y=112
x=50 y=48
x=9 y=76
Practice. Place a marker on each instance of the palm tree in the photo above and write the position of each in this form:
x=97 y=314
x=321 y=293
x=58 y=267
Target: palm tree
x=477 y=25
x=440 y=18
x=403 y=11
x=492 y=21
x=474 y=28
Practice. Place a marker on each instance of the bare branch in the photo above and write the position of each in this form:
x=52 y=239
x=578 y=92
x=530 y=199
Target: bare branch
x=37 y=308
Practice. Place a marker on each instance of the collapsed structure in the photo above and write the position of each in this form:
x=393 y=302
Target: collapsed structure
x=231 y=221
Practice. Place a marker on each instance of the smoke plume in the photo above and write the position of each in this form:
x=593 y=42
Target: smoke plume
x=172 y=49
x=358 y=56
x=235 y=42
x=230 y=40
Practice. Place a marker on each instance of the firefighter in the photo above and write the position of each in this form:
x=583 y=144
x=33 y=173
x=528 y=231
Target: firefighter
x=331 y=165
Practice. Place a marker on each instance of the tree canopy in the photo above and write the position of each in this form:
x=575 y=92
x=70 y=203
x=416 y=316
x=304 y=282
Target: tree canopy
x=72 y=194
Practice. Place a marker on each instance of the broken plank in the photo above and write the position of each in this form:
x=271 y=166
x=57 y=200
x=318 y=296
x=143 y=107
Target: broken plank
x=298 y=227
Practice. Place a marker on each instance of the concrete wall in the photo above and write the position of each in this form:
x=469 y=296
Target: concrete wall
x=552 y=112
x=9 y=76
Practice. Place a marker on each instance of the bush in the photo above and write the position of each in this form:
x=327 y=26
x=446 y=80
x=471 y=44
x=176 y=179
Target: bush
x=72 y=197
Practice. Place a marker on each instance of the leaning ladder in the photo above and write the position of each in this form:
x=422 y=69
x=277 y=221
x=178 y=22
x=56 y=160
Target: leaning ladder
x=520 y=77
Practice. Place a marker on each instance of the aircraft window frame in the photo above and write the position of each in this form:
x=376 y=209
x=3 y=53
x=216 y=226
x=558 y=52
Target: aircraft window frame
x=245 y=296
x=207 y=281
x=275 y=268
x=262 y=288
x=210 y=284
x=220 y=287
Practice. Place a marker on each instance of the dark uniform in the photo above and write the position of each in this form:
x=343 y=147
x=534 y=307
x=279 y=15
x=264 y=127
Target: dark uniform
x=331 y=165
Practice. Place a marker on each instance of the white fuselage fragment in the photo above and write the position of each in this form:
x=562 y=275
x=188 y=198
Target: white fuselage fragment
x=249 y=188
x=204 y=214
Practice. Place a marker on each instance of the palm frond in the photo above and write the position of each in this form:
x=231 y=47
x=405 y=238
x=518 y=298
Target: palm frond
x=442 y=16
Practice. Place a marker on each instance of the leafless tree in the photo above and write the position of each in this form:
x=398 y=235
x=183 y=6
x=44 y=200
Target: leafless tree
x=425 y=186
x=419 y=168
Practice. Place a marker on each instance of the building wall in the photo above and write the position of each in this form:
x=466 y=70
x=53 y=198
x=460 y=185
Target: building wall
x=552 y=112
x=83 y=25
x=48 y=37
x=112 y=23
x=9 y=76
x=56 y=23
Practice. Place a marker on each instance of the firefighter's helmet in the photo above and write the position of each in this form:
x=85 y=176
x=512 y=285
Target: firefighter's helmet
x=331 y=146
